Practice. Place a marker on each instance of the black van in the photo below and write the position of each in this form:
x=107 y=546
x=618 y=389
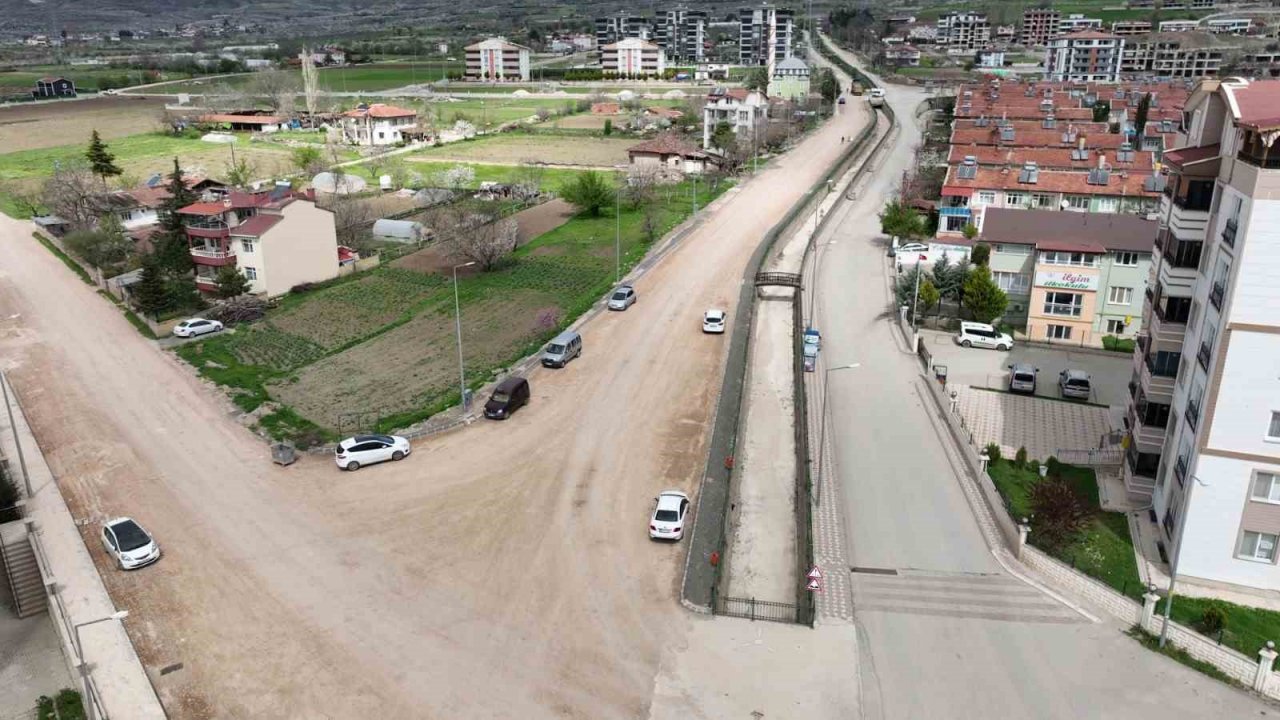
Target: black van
x=510 y=395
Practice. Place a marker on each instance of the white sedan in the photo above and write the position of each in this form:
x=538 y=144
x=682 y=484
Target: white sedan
x=196 y=326
x=128 y=544
x=713 y=321
x=360 y=450
x=912 y=249
x=669 y=516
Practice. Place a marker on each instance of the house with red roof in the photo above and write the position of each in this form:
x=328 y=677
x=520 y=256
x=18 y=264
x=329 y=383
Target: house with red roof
x=275 y=238
x=378 y=124
x=670 y=151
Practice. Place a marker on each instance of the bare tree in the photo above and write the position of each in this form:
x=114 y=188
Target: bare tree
x=641 y=192
x=485 y=244
x=74 y=194
x=26 y=198
x=353 y=218
x=456 y=178
x=225 y=97
x=278 y=87
x=528 y=177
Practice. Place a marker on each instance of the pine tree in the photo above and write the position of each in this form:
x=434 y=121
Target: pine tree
x=983 y=298
x=101 y=161
x=170 y=240
x=149 y=293
x=231 y=282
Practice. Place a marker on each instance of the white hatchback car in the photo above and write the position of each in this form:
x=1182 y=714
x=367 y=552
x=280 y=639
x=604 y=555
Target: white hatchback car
x=623 y=297
x=128 y=544
x=713 y=321
x=196 y=326
x=355 y=452
x=669 y=516
x=975 y=334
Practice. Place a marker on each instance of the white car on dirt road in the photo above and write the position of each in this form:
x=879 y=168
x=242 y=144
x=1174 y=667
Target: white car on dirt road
x=128 y=544
x=196 y=326
x=622 y=298
x=713 y=321
x=356 y=452
x=668 y=518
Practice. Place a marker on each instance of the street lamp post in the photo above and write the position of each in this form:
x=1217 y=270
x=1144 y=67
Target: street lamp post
x=822 y=423
x=91 y=708
x=617 y=237
x=457 y=314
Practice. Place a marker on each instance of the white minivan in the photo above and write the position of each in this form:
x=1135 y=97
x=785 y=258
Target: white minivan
x=975 y=334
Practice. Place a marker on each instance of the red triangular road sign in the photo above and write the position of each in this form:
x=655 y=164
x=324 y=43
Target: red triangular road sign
x=814 y=574
x=814 y=585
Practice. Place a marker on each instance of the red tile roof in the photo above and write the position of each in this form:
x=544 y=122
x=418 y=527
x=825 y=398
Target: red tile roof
x=1055 y=181
x=256 y=225
x=1051 y=158
x=1022 y=125
x=668 y=144
x=380 y=110
x=1033 y=138
x=241 y=119
x=204 y=208
x=1185 y=156
x=1258 y=103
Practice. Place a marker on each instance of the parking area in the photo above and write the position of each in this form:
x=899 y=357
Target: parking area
x=1043 y=426
x=1109 y=372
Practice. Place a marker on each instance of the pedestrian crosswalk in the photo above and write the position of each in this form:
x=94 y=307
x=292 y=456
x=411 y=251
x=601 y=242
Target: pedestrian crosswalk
x=986 y=596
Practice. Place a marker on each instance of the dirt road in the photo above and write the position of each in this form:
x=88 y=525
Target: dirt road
x=500 y=571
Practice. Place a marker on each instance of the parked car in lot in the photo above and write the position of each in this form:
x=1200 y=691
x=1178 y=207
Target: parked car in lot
x=564 y=347
x=909 y=250
x=713 y=321
x=974 y=334
x=129 y=544
x=622 y=298
x=510 y=395
x=669 y=515
x=196 y=326
x=1022 y=378
x=1075 y=384
x=356 y=452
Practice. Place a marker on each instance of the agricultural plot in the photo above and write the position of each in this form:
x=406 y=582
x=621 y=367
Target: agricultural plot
x=551 y=149
x=494 y=112
x=382 y=344
x=50 y=124
x=428 y=168
x=359 y=78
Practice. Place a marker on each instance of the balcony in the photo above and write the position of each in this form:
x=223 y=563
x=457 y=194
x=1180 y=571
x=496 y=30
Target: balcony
x=221 y=232
x=1156 y=380
x=1229 y=232
x=206 y=283
x=212 y=256
x=1140 y=473
x=1216 y=295
x=1165 y=332
x=1264 y=160
x=1146 y=430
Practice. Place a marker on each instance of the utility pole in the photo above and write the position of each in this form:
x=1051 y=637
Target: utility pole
x=915 y=301
x=617 y=236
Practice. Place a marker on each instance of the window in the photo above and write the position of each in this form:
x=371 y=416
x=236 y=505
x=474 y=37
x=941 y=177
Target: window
x=1013 y=283
x=1069 y=258
x=1266 y=488
x=1042 y=200
x=1057 y=332
x=1015 y=199
x=1115 y=327
x=1078 y=202
x=1063 y=303
x=1120 y=295
x=1127 y=259
x=251 y=273
x=986 y=197
x=1273 y=432
x=1257 y=546
x=1108 y=204
x=246 y=246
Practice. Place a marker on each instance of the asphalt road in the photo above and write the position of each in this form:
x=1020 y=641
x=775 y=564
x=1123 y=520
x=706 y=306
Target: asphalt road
x=952 y=635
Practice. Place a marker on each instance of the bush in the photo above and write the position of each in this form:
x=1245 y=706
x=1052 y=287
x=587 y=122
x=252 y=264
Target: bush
x=1059 y=513
x=9 y=495
x=1054 y=467
x=993 y=452
x=1033 y=466
x=1020 y=459
x=1213 y=619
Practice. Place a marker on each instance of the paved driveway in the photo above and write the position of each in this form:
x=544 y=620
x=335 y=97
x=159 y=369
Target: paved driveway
x=1041 y=425
x=989 y=368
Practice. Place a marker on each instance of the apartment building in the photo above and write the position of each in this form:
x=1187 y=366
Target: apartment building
x=1077 y=23
x=1086 y=56
x=1180 y=55
x=497 y=60
x=1126 y=28
x=1071 y=278
x=1204 y=420
x=633 y=57
x=963 y=32
x=765 y=35
x=613 y=28
x=1178 y=26
x=745 y=111
x=276 y=240
x=1228 y=26
x=682 y=34
x=1038 y=25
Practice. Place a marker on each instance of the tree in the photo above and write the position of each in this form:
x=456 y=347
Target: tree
x=905 y=288
x=353 y=220
x=1101 y=111
x=1140 y=116
x=970 y=231
x=240 y=172
x=170 y=240
x=757 y=78
x=947 y=278
x=929 y=296
x=180 y=292
x=608 y=127
x=74 y=194
x=589 y=191
x=308 y=159
x=899 y=219
x=827 y=85
x=149 y=292
x=981 y=254
x=486 y=245
x=231 y=282
x=456 y=178
x=278 y=87
x=528 y=177
x=1058 y=512
x=722 y=136
x=640 y=191
x=101 y=161
x=982 y=297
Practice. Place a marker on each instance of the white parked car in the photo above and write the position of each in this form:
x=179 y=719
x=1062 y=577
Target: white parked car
x=355 y=452
x=713 y=321
x=623 y=297
x=196 y=326
x=669 y=516
x=128 y=544
x=975 y=334
x=910 y=250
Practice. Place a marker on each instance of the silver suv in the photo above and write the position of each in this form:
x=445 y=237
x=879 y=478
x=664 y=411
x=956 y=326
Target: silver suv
x=1075 y=384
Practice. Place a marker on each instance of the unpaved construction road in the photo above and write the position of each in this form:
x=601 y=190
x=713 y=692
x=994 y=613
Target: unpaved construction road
x=503 y=570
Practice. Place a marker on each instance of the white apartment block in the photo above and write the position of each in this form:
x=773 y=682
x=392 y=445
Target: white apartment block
x=1228 y=26
x=765 y=35
x=1077 y=22
x=963 y=31
x=1178 y=25
x=745 y=111
x=611 y=29
x=1171 y=56
x=496 y=60
x=1087 y=56
x=682 y=34
x=1205 y=416
x=633 y=57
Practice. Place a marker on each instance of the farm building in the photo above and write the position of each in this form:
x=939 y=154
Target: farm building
x=405 y=231
x=669 y=151
x=53 y=87
x=250 y=123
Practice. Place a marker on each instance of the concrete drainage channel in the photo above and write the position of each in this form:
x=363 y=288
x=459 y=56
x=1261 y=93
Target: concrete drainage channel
x=704 y=566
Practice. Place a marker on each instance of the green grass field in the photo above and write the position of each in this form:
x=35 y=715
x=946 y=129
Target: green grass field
x=358 y=78
x=495 y=112
x=84 y=78
x=393 y=355
x=1004 y=13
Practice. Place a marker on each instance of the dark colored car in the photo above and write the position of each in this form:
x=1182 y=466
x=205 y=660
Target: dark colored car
x=510 y=395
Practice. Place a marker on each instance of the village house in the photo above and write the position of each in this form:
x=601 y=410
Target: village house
x=378 y=124
x=274 y=238
x=671 y=152
x=53 y=87
x=743 y=109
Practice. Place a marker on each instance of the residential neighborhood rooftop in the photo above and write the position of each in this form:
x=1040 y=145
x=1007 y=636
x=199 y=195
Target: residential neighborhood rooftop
x=1072 y=231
